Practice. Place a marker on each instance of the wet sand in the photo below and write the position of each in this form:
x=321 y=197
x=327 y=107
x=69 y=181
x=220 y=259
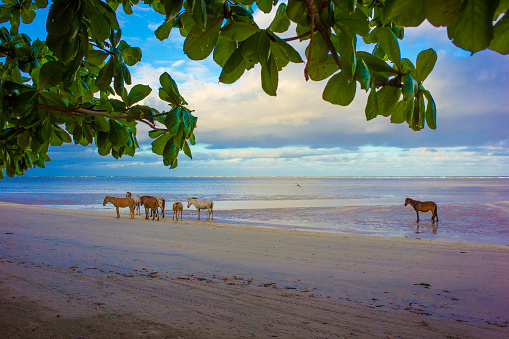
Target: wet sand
x=67 y=273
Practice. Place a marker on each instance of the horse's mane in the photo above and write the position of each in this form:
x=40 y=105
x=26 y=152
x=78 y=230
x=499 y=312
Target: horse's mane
x=193 y=198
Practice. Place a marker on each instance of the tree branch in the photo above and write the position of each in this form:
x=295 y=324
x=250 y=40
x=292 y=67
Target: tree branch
x=322 y=28
x=104 y=114
x=303 y=35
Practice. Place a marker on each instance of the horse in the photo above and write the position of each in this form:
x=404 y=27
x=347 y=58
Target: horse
x=423 y=206
x=162 y=203
x=121 y=202
x=152 y=204
x=177 y=207
x=137 y=204
x=202 y=204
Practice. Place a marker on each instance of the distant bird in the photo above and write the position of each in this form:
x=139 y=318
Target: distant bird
x=298 y=186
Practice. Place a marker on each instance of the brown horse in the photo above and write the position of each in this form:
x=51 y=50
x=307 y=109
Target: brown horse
x=177 y=207
x=121 y=202
x=150 y=203
x=423 y=206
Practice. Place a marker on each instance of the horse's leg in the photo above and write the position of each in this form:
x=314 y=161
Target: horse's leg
x=436 y=212
x=118 y=214
x=417 y=212
x=198 y=213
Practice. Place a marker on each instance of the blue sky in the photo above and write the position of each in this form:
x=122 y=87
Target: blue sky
x=242 y=131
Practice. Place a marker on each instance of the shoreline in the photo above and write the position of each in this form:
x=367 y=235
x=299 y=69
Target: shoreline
x=403 y=227
x=203 y=279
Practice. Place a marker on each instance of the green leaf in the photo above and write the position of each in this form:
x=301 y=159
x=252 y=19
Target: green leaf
x=264 y=5
x=118 y=134
x=51 y=74
x=371 y=110
x=171 y=7
x=431 y=111
x=105 y=76
x=389 y=44
x=287 y=50
x=345 y=44
x=281 y=22
x=500 y=42
x=398 y=116
x=297 y=12
x=101 y=123
x=375 y=64
x=224 y=49
x=131 y=54
x=99 y=23
x=163 y=31
x=408 y=88
x=425 y=63
x=270 y=76
x=155 y=133
x=27 y=14
x=45 y=131
x=362 y=74
x=172 y=121
x=200 y=43
x=339 y=91
x=159 y=144
x=345 y=6
x=473 y=28
x=170 y=90
x=388 y=97
x=408 y=13
x=239 y=31
x=356 y=22
x=319 y=50
x=319 y=71
x=96 y=57
x=234 y=68
x=23 y=139
x=187 y=150
x=440 y=12
x=138 y=93
x=257 y=47
x=199 y=13
x=25 y=103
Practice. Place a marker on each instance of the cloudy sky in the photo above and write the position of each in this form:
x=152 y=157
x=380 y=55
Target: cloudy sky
x=243 y=132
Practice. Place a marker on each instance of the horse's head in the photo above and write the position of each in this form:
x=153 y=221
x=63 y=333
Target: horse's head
x=190 y=201
x=129 y=195
x=106 y=200
x=407 y=201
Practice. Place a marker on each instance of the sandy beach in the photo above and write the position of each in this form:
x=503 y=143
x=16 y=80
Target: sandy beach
x=82 y=274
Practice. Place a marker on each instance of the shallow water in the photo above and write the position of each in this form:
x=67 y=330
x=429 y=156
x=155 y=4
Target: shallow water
x=470 y=209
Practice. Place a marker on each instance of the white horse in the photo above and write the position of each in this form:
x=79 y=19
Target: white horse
x=201 y=205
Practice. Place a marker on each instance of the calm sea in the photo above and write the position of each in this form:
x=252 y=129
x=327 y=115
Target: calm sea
x=470 y=209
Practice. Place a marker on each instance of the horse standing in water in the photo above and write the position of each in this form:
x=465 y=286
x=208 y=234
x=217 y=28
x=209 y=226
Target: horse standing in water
x=423 y=206
x=201 y=205
x=121 y=202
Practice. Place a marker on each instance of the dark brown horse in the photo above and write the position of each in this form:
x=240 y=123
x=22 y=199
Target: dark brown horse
x=150 y=203
x=423 y=206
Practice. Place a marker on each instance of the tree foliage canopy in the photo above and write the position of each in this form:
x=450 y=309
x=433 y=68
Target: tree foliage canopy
x=72 y=86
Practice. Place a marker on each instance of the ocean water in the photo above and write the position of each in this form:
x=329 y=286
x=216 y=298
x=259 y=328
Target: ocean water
x=470 y=209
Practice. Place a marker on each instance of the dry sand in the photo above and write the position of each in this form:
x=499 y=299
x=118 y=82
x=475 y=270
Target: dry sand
x=81 y=274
